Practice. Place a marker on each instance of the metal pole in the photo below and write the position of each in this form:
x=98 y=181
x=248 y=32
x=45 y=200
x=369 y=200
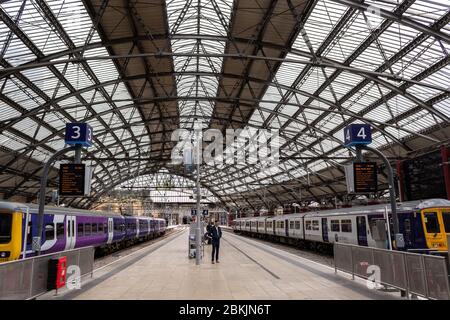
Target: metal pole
x=398 y=237
x=77 y=154
x=37 y=239
x=388 y=226
x=25 y=233
x=198 y=233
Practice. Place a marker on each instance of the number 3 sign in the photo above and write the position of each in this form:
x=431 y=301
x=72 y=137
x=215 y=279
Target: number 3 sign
x=78 y=133
x=357 y=134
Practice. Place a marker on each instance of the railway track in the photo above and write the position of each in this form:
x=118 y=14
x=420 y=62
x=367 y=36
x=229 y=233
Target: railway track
x=107 y=259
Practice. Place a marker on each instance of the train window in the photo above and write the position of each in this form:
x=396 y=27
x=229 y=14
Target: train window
x=49 y=231
x=308 y=224
x=335 y=226
x=80 y=229
x=315 y=225
x=446 y=219
x=94 y=228
x=281 y=224
x=100 y=227
x=297 y=225
x=60 y=230
x=87 y=229
x=291 y=225
x=431 y=222
x=5 y=227
x=346 y=225
x=29 y=233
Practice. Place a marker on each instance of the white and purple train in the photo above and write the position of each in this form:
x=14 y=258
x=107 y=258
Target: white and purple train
x=69 y=228
x=425 y=226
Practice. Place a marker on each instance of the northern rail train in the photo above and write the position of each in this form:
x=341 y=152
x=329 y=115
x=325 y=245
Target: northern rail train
x=69 y=228
x=425 y=226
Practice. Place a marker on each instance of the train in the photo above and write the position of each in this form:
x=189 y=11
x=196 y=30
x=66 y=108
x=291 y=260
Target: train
x=69 y=228
x=425 y=226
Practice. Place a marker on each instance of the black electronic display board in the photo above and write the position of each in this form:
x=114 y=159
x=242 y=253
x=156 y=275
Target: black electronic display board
x=71 y=180
x=424 y=177
x=365 y=177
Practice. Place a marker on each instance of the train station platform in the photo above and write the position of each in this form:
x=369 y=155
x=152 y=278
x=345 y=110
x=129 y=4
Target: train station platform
x=248 y=269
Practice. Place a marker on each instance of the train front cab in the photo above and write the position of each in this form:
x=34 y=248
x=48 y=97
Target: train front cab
x=436 y=226
x=10 y=234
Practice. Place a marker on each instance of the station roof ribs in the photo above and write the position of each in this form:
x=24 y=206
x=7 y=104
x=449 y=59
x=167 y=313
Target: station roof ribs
x=138 y=70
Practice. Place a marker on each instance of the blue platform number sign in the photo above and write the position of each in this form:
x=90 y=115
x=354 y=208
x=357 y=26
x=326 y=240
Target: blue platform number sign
x=355 y=134
x=79 y=134
x=205 y=212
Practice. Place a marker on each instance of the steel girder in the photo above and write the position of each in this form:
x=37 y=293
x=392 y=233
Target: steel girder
x=315 y=60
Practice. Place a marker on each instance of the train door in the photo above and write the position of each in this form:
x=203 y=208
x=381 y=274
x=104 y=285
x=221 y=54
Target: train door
x=286 y=227
x=110 y=230
x=137 y=228
x=70 y=232
x=325 y=230
x=361 y=229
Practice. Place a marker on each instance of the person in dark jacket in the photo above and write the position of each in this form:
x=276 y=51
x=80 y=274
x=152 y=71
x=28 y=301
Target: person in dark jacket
x=215 y=235
x=208 y=230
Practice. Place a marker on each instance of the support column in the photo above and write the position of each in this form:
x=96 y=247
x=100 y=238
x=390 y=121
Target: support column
x=445 y=152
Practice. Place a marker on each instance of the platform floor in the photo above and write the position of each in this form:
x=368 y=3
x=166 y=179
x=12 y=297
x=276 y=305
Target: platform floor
x=248 y=269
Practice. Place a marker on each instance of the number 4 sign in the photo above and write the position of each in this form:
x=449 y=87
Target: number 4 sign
x=78 y=134
x=357 y=134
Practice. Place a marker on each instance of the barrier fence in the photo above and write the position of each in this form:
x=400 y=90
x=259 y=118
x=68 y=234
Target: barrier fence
x=419 y=274
x=27 y=278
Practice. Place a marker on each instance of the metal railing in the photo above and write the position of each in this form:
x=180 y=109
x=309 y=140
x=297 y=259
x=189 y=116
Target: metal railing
x=416 y=274
x=27 y=278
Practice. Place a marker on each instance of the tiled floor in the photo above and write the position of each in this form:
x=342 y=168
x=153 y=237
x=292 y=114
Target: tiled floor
x=247 y=270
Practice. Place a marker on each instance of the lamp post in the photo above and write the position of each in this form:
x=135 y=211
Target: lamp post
x=198 y=243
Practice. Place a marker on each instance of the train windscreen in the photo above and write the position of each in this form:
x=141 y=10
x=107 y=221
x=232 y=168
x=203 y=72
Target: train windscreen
x=5 y=227
x=446 y=218
x=431 y=222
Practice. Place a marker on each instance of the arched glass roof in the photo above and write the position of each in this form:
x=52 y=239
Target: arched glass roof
x=138 y=70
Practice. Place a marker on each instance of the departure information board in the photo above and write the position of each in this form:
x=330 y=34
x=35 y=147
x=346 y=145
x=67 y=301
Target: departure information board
x=365 y=177
x=71 y=180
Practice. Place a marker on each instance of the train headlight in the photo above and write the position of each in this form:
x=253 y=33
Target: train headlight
x=4 y=254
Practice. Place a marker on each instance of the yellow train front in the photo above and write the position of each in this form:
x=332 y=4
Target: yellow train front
x=10 y=233
x=435 y=222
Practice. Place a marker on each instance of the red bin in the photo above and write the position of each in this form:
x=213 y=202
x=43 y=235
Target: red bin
x=57 y=273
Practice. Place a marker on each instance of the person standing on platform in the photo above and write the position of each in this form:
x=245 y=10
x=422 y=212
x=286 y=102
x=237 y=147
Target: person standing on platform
x=215 y=234
x=208 y=230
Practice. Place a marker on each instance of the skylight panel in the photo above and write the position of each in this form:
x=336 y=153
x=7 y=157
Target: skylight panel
x=443 y=106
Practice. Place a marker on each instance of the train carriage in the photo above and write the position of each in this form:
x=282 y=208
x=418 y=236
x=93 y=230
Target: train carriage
x=424 y=225
x=67 y=228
